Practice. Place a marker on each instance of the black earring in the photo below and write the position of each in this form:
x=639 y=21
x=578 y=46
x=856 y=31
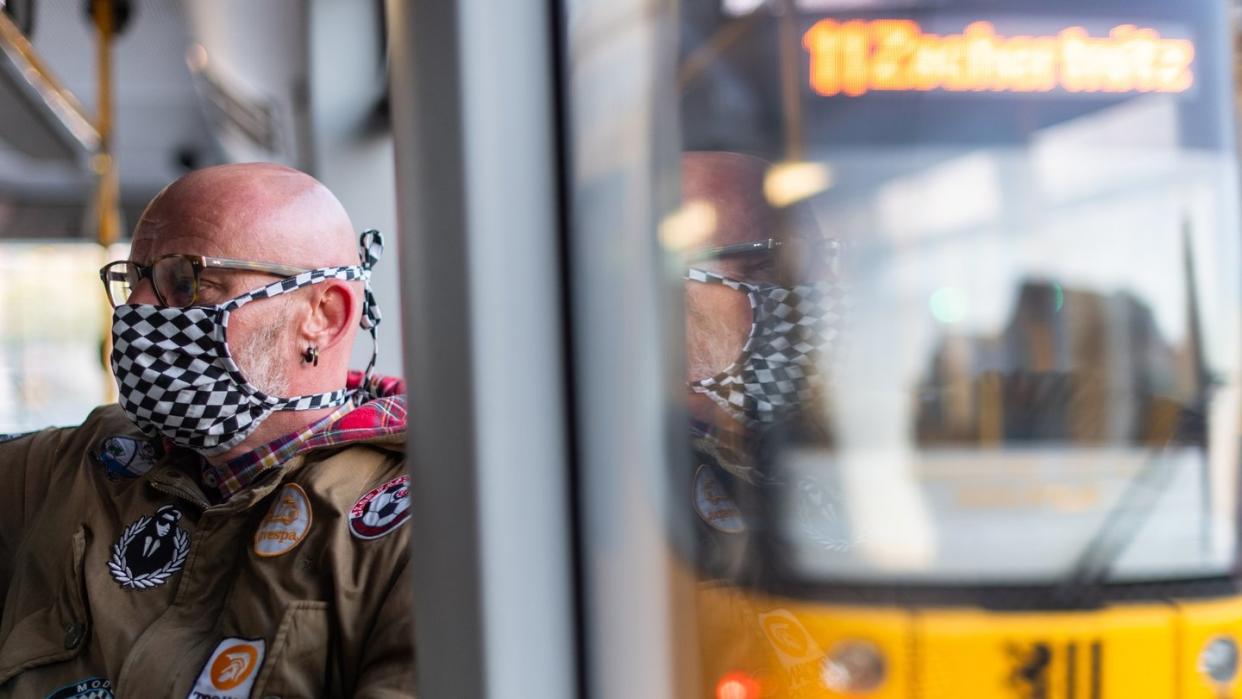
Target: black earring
x=311 y=355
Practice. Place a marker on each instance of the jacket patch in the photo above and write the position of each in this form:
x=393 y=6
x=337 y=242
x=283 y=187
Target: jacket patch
x=286 y=524
x=713 y=504
x=90 y=688
x=230 y=671
x=381 y=510
x=126 y=457
x=150 y=550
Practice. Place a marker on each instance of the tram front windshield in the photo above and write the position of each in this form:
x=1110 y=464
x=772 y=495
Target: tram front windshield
x=1028 y=228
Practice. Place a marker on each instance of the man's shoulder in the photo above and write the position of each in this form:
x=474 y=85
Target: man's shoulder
x=360 y=451
x=110 y=417
x=355 y=465
x=366 y=482
x=105 y=420
x=358 y=463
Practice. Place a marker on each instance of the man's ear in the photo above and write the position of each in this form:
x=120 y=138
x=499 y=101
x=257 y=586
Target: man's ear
x=332 y=312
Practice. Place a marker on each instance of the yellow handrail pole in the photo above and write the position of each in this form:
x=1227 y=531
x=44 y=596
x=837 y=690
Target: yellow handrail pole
x=105 y=166
x=107 y=191
x=701 y=58
x=791 y=96
x=61 y=103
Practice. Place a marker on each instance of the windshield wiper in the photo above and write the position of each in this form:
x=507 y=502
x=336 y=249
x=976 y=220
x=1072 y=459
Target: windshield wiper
x=1135 y=505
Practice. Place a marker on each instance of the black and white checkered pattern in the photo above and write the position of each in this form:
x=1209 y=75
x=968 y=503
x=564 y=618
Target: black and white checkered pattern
x=370 y=249
x=778 y=367
x=177 y=378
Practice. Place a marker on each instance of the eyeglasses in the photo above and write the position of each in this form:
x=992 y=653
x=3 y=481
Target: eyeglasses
x=801 y=256
x=176 y=279
x=758 y=246
x=816 y=246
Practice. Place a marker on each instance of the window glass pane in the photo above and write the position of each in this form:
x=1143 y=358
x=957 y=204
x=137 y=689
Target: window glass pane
x=960 y=289
x=1024 y=318
x=52 y=320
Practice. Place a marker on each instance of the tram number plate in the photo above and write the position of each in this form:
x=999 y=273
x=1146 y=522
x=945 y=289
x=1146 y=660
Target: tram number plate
x=1042 y=670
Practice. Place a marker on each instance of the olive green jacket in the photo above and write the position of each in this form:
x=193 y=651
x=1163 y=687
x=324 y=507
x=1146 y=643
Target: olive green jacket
x=298 y=586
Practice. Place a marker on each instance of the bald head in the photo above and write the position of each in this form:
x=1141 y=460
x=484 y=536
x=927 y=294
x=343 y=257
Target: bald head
x=732 y=183
x=252 y=211
x=292 y=344
x=718 y=318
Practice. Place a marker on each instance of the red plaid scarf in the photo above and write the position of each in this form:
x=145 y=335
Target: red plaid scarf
x=380 y=416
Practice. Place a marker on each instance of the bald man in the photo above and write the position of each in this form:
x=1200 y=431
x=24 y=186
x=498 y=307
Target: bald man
x=234 y=526
x=760 y=299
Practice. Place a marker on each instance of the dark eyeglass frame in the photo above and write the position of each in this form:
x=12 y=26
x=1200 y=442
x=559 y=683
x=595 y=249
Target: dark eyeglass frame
x=113 y=271
x=751 y=248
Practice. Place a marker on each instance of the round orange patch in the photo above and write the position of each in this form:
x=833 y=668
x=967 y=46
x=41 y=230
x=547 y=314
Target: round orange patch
x=234 y=665
x=286 y=523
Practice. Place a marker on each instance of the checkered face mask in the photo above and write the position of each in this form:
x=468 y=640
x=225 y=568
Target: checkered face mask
x=176 y=377
x=778 y=368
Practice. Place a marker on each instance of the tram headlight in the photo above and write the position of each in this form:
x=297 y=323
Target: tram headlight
x=737 y=685
x=1219 y=659
x=853 y=667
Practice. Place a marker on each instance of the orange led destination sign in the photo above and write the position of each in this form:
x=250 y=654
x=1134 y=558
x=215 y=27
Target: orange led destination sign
x=859 y=56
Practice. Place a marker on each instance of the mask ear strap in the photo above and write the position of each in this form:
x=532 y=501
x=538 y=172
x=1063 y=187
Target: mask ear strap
x=313 y=276
x=702 y=276
x=370 y=249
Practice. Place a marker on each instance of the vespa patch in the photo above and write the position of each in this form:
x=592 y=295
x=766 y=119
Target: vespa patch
x=150 y=550
x=793 y=644
x=126 y=457
x=231 y=670
x=286 y=523
x=713 y=503
x=90 y=688
x=381 y=510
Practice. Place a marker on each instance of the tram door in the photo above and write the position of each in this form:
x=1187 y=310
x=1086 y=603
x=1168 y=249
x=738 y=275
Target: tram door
x=823 y=348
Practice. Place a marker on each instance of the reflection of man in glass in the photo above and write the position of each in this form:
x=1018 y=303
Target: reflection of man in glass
x=761 y=306
x=761 y=309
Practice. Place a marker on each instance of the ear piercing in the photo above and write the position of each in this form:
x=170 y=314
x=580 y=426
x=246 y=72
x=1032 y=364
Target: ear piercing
x=311 y=355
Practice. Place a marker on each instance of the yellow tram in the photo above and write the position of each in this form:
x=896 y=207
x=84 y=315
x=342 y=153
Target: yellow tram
x=1019 y=475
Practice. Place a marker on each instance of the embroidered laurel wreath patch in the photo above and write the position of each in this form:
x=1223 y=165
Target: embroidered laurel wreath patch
x=149 y=551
